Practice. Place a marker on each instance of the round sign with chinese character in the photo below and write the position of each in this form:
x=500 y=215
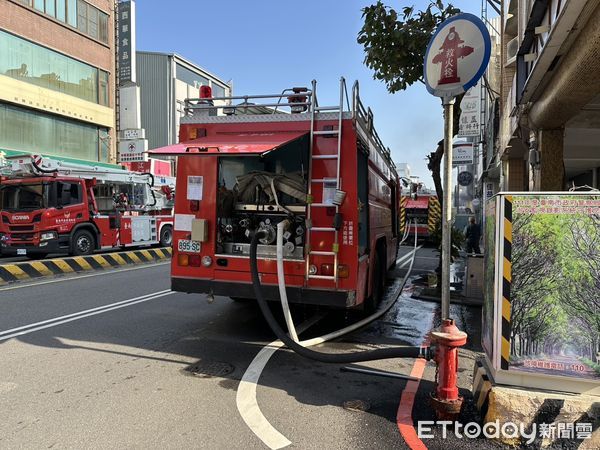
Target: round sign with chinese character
x=457 y=56
x=465 y=178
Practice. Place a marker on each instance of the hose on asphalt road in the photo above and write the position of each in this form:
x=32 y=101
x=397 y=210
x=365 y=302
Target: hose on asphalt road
x=371 y=355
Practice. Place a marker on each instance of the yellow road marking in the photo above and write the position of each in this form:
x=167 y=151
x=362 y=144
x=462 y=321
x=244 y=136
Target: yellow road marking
x=133 y=257
x=82 y=262
x=41 y=268
x=16 y=271
x=62 y=265
x=100 y=260
x=118 y=258
x=147 y=254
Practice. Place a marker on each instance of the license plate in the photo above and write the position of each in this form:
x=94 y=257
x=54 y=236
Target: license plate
x=21 y=251
x=184 y=245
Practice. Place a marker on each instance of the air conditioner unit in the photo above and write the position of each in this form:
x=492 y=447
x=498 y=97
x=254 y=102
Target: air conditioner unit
x=511 y=51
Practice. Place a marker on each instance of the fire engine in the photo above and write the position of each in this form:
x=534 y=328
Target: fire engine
x=421 y=213
x=62 y=205
x=246 y=167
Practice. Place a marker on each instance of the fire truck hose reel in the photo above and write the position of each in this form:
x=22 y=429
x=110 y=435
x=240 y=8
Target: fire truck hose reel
x=371 y=355
x=446 y=400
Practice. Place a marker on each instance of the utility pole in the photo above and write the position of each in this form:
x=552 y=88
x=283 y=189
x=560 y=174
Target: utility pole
x=447 y=212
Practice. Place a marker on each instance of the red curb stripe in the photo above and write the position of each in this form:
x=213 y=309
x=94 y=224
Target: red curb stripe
x=404 y=418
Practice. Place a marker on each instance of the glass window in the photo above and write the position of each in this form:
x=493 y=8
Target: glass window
x=218 y=91
x=82 y=16
x=61 y=10
x=187 y=76
x=39 y=5
x=64 y=194
x=51 y=8
x=93 y=22
x=103 y=88
x=43 y=67
x=22 y=196
x=72 y=12
x=29 y=131
x=103 y=27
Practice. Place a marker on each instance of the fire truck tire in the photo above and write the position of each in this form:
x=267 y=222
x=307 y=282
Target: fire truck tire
x=166 y=236
x=82 y=243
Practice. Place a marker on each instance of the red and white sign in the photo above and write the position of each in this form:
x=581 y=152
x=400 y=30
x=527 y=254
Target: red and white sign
x=457 y=56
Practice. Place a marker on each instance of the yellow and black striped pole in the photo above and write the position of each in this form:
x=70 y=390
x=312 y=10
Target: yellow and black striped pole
x=434 y=214
x=506 y=282
x=402 y=214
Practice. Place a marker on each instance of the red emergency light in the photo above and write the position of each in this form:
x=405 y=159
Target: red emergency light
x=205 y=92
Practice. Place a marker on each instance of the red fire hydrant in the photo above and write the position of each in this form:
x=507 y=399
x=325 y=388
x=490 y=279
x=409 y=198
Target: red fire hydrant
x=445 y=399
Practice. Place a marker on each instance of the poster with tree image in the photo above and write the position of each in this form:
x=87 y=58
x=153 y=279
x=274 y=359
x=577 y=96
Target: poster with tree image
x=489 y=242
x=555 y=286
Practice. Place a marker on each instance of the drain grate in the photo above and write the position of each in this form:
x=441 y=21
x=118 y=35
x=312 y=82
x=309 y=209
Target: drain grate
x=356 y=405
x=209 y=369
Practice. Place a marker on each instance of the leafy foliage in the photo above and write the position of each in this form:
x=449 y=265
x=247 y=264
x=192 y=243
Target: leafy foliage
x=395 y=43
x=457 y=239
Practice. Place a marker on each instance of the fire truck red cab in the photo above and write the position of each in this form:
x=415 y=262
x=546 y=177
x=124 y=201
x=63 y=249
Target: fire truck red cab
x=61 y=205
x=247 y=167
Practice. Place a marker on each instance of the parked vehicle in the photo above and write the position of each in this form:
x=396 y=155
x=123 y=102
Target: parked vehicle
x=321 y=168
x=62 y=205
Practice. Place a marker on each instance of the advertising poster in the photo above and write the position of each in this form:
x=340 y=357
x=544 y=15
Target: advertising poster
x=555 y=286
x=487 y=314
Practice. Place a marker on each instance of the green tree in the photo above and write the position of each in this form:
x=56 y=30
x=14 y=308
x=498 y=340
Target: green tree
x=395 y=44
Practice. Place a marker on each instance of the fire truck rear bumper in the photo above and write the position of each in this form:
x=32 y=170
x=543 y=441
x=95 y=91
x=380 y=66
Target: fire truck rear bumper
x=339 y=299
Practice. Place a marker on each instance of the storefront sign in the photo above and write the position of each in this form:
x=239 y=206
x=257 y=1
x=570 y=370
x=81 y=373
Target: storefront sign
x=468 y=124
x=462 y=154
x=126 y=44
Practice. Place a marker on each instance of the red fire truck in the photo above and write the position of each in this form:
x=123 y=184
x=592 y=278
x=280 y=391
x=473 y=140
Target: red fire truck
x=62 y=205
x=423 y=214
x=248 y=166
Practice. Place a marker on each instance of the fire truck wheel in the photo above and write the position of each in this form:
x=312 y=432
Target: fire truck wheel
x=82 y=243
x=166 y=236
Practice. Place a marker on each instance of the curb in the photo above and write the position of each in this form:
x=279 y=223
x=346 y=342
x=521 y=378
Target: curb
x=552 y=410
x=23 y=271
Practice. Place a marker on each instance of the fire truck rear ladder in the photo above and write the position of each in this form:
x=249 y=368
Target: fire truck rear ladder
x=314 y=134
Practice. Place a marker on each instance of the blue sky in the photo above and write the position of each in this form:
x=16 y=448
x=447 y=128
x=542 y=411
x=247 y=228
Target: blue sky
x=265 y=46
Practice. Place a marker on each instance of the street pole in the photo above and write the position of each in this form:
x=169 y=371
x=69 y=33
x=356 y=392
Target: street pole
x=448 y=103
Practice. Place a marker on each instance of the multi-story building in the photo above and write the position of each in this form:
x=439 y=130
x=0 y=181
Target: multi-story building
x=403 y=170
x=166 y=80
x=57 y=60
x=550 y=94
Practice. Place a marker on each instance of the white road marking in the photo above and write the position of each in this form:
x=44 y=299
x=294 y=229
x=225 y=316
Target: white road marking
x=408 y=255
x=248 y=406
x=24 y=284
x=246 y=394
x=30 y=328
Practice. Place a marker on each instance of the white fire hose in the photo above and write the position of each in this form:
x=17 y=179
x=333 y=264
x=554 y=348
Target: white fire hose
x=281 y=226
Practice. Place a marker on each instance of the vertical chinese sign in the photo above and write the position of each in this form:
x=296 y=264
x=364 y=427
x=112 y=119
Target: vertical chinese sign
x=126 y=42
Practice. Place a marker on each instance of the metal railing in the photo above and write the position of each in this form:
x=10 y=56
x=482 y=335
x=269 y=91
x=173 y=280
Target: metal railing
x=280 y=104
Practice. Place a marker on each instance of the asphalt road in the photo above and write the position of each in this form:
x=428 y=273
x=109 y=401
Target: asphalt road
x=115 y=360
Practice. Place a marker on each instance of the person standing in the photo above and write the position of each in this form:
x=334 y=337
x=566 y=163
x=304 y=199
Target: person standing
x=473 y=235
